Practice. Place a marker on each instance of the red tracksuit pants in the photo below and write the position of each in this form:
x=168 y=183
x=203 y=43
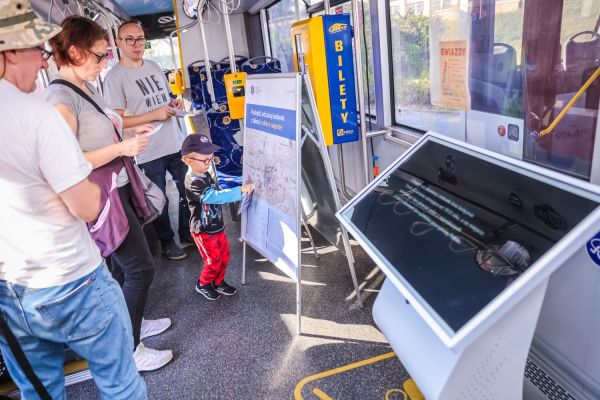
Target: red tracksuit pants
x=214 y=249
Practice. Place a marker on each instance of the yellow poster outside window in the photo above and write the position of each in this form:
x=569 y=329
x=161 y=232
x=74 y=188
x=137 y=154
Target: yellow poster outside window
x=454 y=87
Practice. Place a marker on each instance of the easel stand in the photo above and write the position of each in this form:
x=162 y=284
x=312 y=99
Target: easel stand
x=489 y=367
x=289 y=260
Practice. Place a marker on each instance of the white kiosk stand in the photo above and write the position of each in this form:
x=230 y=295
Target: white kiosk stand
x=468 y=240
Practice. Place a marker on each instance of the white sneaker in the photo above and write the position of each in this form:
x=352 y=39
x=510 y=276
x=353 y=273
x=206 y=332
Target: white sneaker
x=149 y=359
x=151 y=327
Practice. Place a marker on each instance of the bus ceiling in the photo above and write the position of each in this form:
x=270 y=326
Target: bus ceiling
x=125 y=9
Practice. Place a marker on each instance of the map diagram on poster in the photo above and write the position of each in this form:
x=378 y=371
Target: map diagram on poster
x=271 y=164
x=271 y=222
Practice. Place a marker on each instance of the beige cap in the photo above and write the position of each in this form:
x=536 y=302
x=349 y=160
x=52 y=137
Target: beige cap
x=20 y=28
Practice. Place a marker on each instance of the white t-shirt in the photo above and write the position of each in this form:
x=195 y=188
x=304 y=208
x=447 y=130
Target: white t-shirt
x=41 y=243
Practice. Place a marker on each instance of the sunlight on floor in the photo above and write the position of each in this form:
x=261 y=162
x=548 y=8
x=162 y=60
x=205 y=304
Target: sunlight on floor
x=331 y=332
x=268 y=276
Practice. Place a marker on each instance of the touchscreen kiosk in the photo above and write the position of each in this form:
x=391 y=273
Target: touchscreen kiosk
x=465 y=235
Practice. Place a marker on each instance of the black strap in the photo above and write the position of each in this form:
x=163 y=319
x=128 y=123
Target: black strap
x=86 y=97
x=17 y=351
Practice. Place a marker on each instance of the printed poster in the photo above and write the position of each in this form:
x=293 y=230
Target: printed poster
x=453 y=75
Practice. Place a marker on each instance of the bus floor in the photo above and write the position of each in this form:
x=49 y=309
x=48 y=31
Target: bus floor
x=246 y=346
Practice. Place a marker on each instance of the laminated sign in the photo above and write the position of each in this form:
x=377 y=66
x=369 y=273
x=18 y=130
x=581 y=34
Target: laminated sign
x=454 y=88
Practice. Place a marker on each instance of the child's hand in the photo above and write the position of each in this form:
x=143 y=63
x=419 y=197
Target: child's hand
x=247 y=188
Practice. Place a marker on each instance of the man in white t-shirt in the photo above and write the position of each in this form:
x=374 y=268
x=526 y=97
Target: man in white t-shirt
x=54 y=286
x=139 y=91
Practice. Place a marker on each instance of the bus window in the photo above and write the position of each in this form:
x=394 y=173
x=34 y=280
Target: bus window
x=367 y=54
x=280 y=18
x=159 y=51
x=558 y=63
x=417 y=27
x=496 y=42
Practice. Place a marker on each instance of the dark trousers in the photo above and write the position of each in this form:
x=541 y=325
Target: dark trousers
x=156 y=171
x=132 y=266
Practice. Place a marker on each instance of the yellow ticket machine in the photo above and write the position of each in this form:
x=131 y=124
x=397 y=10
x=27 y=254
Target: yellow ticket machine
x=323 y=47
x=235 y=85
x=176 y=83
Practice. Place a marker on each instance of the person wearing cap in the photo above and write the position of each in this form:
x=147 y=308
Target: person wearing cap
x=138 y=90
x=55 y=288
x=206 y=223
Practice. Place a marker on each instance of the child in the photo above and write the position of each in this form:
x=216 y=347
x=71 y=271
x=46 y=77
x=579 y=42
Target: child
x=206 y=222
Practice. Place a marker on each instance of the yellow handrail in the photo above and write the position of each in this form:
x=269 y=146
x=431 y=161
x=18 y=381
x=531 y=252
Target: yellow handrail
x=565 y=110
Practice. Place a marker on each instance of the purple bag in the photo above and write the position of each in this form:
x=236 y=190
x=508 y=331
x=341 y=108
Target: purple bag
x=110 y=228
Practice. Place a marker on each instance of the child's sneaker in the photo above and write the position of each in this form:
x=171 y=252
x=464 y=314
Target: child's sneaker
x=225 y=289
x=207 y=291
x=149 y=359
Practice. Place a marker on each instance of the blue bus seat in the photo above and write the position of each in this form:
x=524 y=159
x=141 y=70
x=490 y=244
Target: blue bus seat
x=196 y=89
x=225 y=64
x=270 y=66
x=222 y=130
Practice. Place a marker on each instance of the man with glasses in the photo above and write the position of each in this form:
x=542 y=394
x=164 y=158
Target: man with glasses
x=55 y=289
x=138 y=90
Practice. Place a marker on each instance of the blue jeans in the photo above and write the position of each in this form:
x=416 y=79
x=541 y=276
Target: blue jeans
x=90 y=316
x=156 y=171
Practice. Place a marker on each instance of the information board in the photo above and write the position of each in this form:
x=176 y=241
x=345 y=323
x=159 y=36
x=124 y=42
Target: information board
x=271 y=161
x=461 y=231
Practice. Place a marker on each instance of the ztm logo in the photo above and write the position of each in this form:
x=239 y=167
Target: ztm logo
x=337 y=27
x=593 y=249
x=342 y=132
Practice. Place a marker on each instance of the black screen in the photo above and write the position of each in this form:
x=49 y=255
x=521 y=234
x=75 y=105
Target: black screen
x=460 y=229
x=238 y=91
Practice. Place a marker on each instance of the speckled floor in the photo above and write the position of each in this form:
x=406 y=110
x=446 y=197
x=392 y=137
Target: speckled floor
x=246 y=347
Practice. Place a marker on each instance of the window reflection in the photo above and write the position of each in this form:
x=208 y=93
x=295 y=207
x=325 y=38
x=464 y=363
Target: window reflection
x=417 y=27
x=496 y=41
x=280 y=18
x=558 y=64
x=367 y=54
x=527 y=60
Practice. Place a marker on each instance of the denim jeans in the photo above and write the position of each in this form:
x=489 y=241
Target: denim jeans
x=90 y=316
x=156 y=171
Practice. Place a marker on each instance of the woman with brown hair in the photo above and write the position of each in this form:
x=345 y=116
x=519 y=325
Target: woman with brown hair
x=80 y=51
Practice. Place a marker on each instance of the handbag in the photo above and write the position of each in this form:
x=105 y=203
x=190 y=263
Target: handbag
x=148 y=200
x=110 y=228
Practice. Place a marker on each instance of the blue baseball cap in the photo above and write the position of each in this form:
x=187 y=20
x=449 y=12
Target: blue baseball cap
x=198 y=143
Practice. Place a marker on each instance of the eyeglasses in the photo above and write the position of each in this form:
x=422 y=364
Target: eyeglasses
x=134 y=41
x=99 y=57
x=206 y=162
x=45 y=53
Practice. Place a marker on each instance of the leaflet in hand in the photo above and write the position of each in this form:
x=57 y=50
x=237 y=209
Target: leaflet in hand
x=179 y=113
x=157 y=126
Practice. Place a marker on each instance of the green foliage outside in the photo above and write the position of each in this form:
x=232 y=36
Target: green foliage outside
x=410 y=46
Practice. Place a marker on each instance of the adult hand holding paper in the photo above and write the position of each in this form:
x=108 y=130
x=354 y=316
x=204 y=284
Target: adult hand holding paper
x=148 y=133
x=179 y=113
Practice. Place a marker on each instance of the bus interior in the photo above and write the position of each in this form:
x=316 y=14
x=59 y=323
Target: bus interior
x=531 y=92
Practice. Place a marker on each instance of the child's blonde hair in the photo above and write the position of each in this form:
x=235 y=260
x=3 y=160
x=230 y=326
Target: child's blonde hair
x=187 y=156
